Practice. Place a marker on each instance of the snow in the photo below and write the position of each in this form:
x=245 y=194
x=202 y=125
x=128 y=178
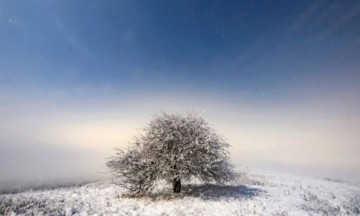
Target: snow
x=251 y=194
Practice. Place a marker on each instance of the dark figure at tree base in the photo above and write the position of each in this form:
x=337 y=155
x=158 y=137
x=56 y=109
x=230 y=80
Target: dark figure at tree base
x=177 y=185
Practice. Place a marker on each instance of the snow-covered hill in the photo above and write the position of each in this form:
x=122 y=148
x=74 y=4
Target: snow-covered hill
x=251 y=194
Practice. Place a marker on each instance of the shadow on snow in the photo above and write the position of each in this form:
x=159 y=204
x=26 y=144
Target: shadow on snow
x=213 y=191
x=208 y=192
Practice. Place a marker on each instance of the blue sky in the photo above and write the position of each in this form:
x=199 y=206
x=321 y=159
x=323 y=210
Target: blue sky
x=269 y=74
x=160 y=45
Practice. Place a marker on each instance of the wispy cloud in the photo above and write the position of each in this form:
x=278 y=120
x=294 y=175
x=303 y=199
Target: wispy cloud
x=70 y=37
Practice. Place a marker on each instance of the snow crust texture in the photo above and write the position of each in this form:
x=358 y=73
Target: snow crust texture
x=251 y=194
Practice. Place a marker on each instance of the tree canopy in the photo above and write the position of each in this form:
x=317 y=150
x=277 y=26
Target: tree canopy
x=173 y=147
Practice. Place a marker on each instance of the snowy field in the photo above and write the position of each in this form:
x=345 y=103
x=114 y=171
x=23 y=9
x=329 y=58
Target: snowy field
x=251 y=194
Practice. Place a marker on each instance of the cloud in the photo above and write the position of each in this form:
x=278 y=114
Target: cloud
x=324 y=19
x=31 y=164
x=77 y=133
x=70 y=37
x=305 y=17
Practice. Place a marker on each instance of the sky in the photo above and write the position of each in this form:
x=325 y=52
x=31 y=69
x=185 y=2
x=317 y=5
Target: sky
x=279 y=79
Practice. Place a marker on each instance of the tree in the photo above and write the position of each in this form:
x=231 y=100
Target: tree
x=173 y=147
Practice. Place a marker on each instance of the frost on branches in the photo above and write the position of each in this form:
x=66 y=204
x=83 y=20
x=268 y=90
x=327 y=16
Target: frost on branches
x=173 y=147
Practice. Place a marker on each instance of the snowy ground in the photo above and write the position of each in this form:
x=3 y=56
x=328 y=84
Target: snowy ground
x=251 y=194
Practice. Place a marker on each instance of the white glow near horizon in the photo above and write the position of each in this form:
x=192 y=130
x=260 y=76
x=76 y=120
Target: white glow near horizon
x=295 y=135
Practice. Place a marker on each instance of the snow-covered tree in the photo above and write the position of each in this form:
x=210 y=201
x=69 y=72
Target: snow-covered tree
x=173 y=147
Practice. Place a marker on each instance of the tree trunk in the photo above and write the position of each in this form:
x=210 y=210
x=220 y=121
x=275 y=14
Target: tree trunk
x=177 y=185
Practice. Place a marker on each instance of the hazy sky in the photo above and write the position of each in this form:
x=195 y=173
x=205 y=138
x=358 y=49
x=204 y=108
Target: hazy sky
x=279 y=79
